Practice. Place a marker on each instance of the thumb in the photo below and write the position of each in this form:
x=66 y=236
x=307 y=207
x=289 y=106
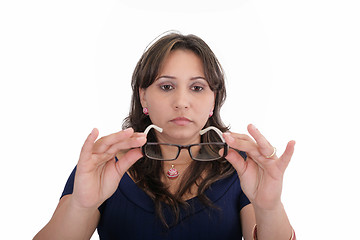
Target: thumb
x=86 y=150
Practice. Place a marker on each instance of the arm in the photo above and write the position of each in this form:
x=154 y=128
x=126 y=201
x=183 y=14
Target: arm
x=275 y=223
x=96 y=179
x=70 y=222
x=261 y=178
x=248 y=221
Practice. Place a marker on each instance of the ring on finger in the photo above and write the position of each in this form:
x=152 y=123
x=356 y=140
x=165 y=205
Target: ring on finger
x=273 y=154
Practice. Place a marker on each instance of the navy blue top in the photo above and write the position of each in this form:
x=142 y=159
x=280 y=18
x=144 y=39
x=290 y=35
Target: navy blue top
x=129 y=213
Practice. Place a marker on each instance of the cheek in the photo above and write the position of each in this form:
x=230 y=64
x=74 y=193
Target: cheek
x=153 y=105
x=157 y=111
x=209 y=107
x=204 y=111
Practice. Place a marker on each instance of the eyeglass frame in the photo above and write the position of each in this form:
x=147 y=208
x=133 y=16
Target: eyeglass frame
x=180 y=147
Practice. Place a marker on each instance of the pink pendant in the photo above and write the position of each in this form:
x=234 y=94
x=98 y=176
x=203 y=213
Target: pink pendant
x=172 y=172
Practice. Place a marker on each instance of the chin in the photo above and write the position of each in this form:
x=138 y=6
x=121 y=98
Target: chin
x=183 y=134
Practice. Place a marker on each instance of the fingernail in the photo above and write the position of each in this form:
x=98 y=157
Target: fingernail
x=140 y=138
x=127 y=130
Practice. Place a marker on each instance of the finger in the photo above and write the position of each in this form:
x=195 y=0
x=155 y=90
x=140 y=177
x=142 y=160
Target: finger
x=287 y=155
x=236 y=161
x=133 y=142
x=120 y=148
x=248 y=146
x=127 y=160
x=105 y=142
x=240 y=136
x=266 y=149
x=86 y=150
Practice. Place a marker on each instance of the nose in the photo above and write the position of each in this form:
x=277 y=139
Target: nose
x=181 y=99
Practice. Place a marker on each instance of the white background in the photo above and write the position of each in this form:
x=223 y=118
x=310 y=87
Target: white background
x=292 y=69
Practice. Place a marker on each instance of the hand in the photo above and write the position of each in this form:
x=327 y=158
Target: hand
x=98 y=174
x=261 y=178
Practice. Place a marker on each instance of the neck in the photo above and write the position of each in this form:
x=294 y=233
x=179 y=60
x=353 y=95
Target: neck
x=183 y=159
x=174 y=170
x=164 y=138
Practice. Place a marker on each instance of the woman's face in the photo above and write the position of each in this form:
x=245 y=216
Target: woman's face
x=180 y=99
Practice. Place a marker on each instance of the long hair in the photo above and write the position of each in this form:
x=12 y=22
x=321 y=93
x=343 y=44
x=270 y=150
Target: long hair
x=146 y=172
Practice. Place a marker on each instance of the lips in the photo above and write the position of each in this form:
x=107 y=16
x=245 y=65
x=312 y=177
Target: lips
x=181 y=121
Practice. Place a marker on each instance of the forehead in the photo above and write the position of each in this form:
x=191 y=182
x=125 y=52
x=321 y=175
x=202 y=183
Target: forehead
x=182 y=61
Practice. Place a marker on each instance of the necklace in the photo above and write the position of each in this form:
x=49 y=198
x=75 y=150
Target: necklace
x=172 y=173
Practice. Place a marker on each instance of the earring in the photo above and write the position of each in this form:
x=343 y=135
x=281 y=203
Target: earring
x=211 y=113
x=146 y=111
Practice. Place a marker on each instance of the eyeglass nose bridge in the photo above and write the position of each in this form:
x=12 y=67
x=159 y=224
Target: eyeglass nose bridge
x=180 y=147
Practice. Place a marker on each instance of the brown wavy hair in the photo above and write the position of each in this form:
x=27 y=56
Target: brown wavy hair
x=146 y=172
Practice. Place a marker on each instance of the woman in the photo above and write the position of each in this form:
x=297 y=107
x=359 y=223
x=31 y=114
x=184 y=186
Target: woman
x=127 y=189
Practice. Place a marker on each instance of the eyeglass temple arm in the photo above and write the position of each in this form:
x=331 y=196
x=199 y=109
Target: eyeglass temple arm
x=202 y=132
x=215 y=129
x=159 y=129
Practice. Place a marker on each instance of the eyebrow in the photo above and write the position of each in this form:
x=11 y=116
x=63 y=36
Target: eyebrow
x=172 y=77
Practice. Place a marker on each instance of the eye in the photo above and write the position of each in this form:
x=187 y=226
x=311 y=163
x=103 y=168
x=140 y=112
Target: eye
x=166 y=87
x=197 y=88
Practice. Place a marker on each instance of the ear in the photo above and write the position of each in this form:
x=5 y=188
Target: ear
x=142 y=96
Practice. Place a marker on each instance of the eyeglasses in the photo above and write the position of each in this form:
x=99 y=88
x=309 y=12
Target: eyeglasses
x=198 y=152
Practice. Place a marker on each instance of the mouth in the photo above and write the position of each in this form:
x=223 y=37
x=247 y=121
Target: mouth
x=181 y=121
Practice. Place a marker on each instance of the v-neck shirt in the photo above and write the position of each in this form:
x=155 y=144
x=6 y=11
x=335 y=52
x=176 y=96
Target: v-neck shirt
x=130 y=213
